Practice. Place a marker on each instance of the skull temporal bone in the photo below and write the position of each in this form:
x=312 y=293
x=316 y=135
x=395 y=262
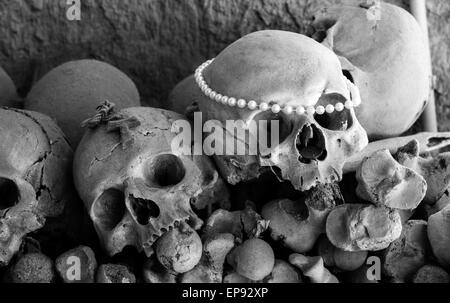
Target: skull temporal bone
x=136 y=192
x=291 y=70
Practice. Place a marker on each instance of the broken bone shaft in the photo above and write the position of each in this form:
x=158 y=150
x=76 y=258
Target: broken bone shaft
x=428 y=142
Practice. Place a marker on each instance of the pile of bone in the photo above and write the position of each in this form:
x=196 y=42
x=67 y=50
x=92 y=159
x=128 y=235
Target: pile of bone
x=92 y=188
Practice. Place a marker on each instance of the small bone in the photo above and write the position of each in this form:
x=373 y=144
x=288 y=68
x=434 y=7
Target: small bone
x=408 y=253
x=313 y=268
x=242 y=224
x=283 y=272
x=383 y=181
x=439 y=235
x=298 y=224
x=179 y=249
x=253 y=259
x=155 y=272
x=435 y=170
x=81 y=256
x=428 y=142
x=234 y=277
x=210 y=267
x=356 y=227
x=114 y=273
x=33 y=268
x=431 y=274
x=336 y=257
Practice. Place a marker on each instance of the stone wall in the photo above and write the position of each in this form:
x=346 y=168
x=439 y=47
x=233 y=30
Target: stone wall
x=159 y=42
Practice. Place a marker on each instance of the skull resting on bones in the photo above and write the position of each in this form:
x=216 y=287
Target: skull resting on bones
x=288 y=69
x=35 y=182
x=383 y=51
x=133 y=185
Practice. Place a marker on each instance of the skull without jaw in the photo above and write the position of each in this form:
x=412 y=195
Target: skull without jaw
x=294 y=72
x=35 y=183
x=133 y=185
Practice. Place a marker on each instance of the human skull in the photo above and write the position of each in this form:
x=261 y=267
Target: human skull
x=383 y=51
x=295 y=71
x=35 y=164
x=133 y=184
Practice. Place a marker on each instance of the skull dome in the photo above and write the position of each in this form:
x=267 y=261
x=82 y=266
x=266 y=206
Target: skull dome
x=382 y=50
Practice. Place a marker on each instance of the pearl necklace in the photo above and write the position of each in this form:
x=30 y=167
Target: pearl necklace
x=275 y=108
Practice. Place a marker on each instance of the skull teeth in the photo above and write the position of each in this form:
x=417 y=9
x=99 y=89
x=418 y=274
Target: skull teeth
x=154 y=237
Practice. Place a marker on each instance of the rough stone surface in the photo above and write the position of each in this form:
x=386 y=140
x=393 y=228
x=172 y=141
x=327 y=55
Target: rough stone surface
x=158 y=43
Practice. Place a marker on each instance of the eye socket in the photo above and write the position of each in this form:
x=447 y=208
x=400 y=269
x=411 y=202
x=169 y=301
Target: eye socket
x=167 y=170
x=273 y=128
x=109 y=208
x=9 y=193
x=336 y=121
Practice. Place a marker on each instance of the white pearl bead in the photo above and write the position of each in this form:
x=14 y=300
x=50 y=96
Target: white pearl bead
x=276 y=108
x=288 y=110
x=208 y=91
x=330 y=108
x=300 y=110
x=213 y=95
x=232 y=102
x=252 y=105
x=224 y=100
x=242 y=103
x=310 y=110
x=218 y=97
x=339 y=107
x=348 y=104
x=320 y=110
x=263 y=106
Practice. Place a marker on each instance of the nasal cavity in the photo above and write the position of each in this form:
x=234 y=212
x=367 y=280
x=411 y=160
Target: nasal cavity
x=144 y=210
x=310 y=144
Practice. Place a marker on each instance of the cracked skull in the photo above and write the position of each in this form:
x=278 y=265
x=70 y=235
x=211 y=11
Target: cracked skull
x=295 y=72
x=35 y=170
x=382 y=50
x=132 y=183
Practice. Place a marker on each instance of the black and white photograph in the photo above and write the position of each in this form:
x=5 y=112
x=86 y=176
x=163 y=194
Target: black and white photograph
x=237 y=143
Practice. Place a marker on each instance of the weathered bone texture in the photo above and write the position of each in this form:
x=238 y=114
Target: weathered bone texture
x=80 y=260
x=439 y=235
x=311 y=150
x=336 y=257
x=114 y=273
x=8 y=93
x=210 y=267
x=298 y=224
x=33 y=268
x=134 y=186
x=155 y=272
x=383 y=50
x=431 y=274
x=35 y=176
x=408 y=253
x=71 y=92
x=254 y=259
x=427 y=142
x=313 y=268
x=383 y=181
x=434 y=169
x=179 y=249
x=243 y=224
x=356 y=227
x=283 y=272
